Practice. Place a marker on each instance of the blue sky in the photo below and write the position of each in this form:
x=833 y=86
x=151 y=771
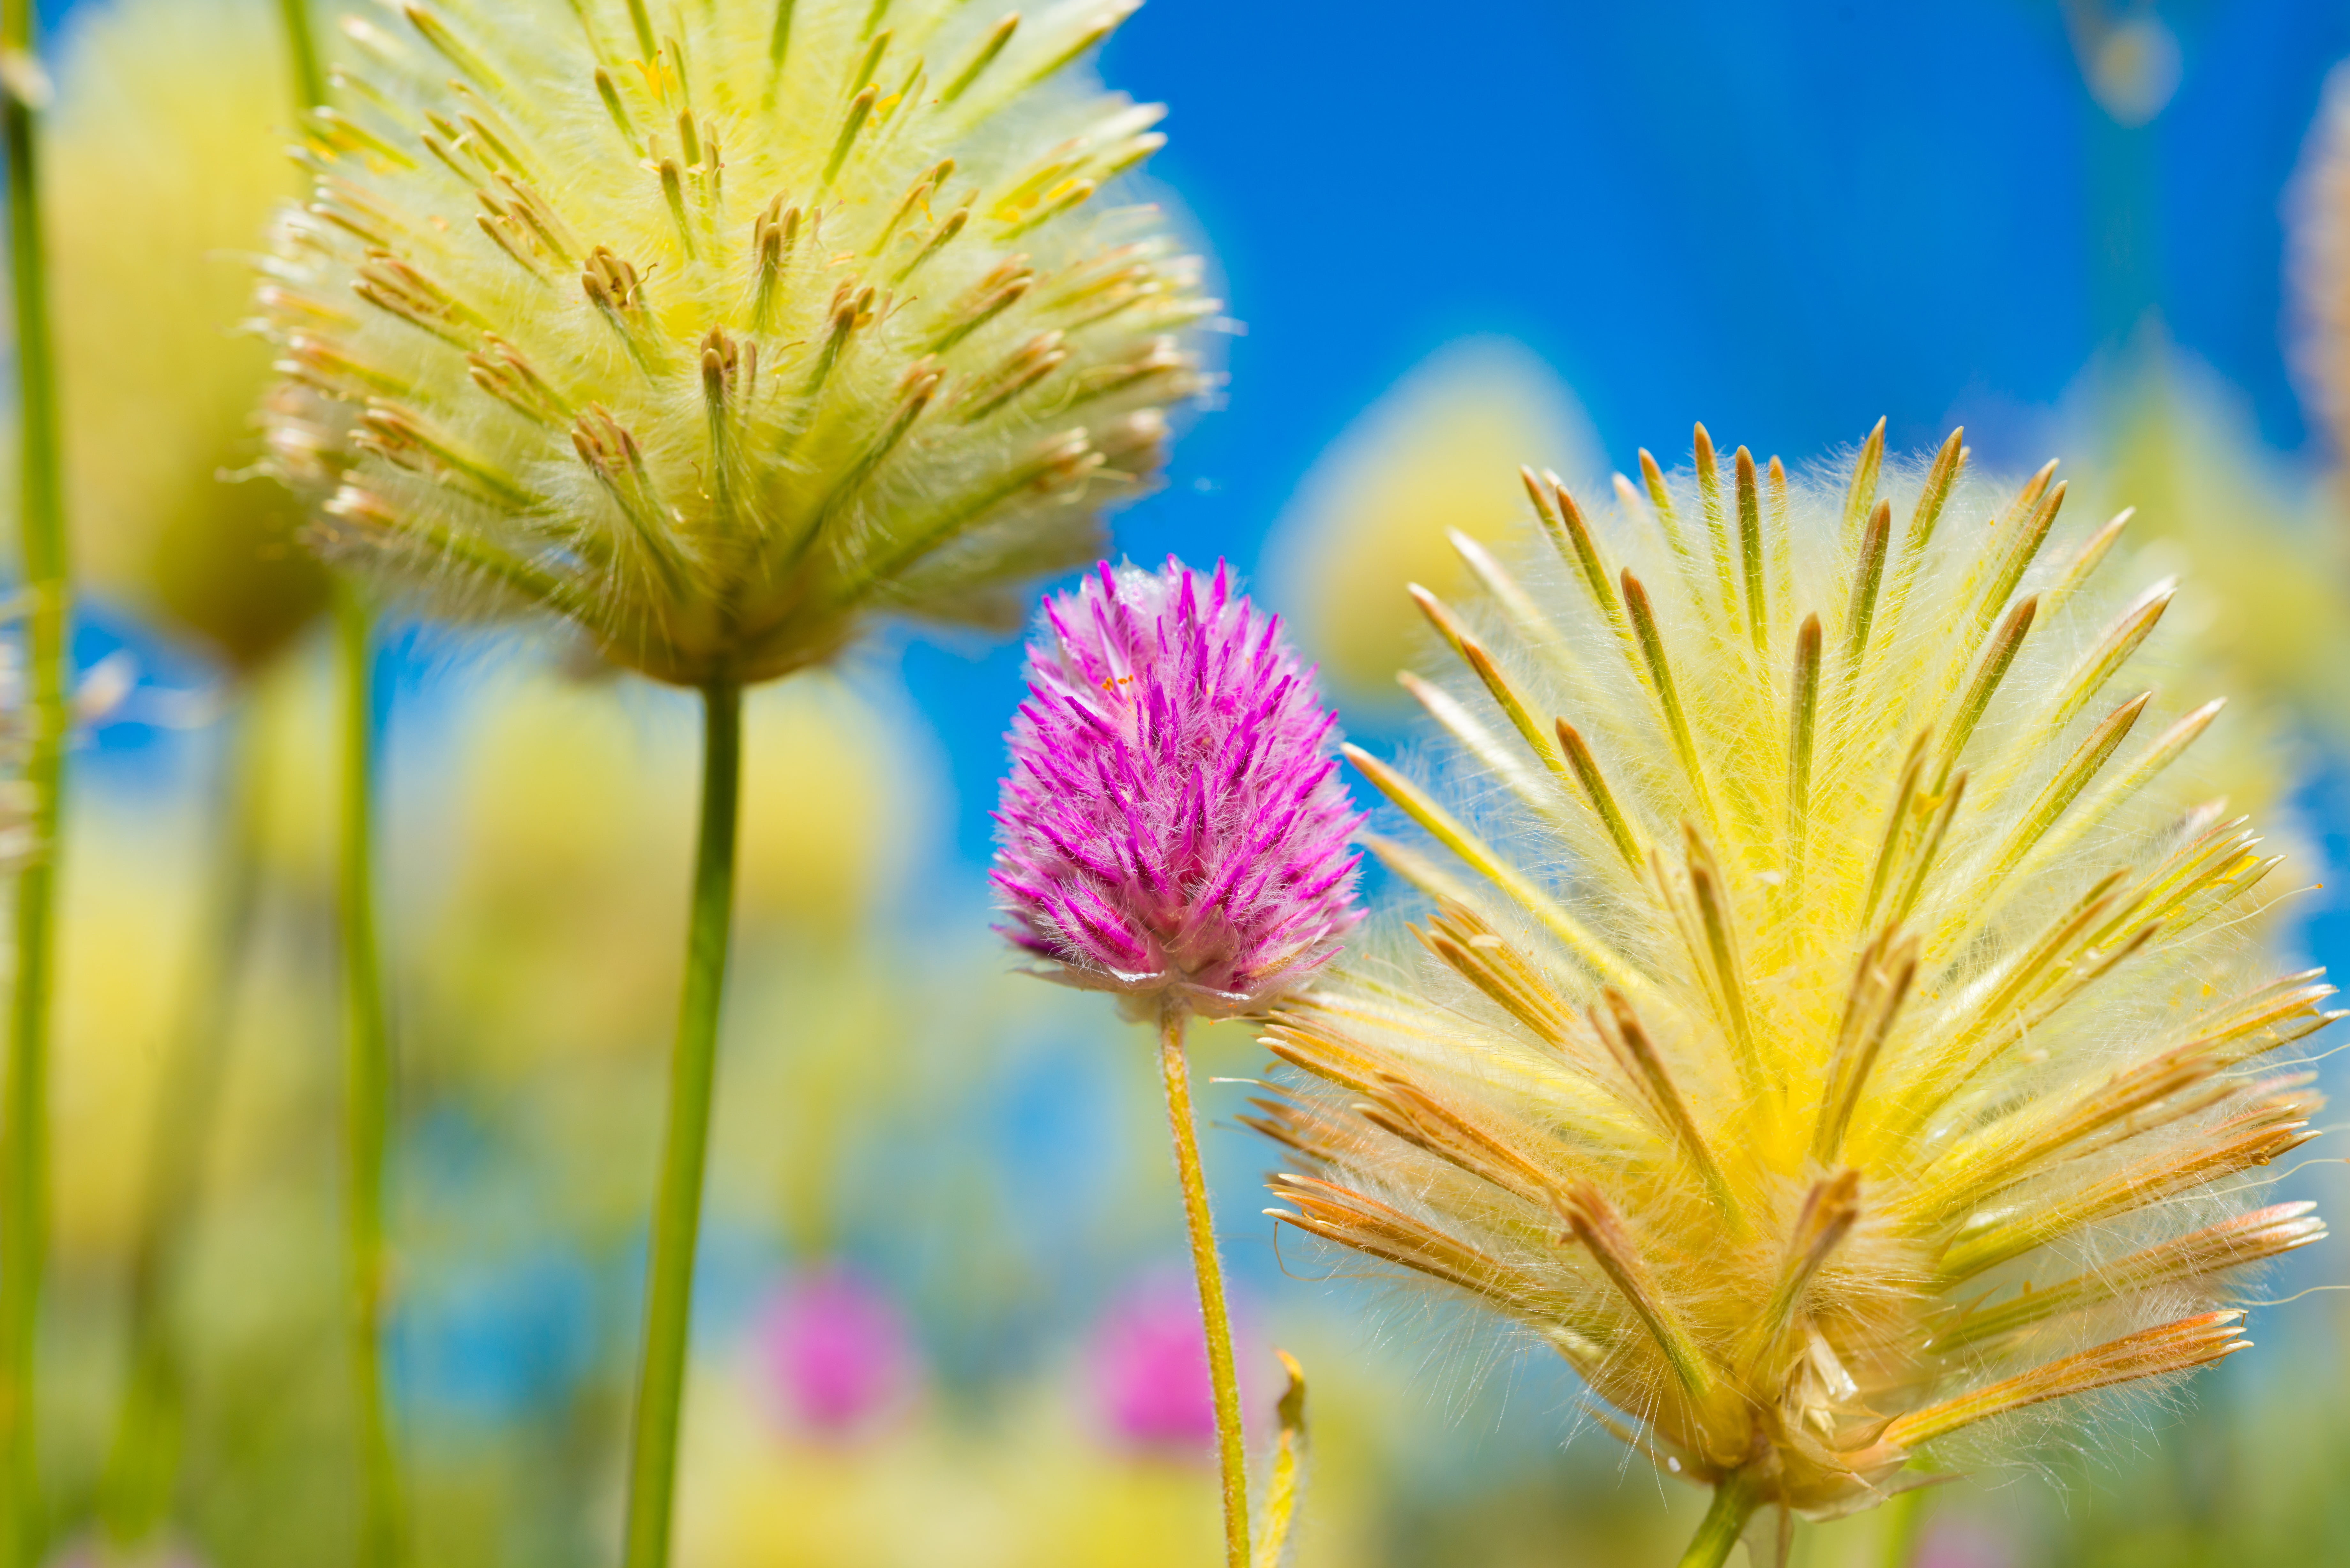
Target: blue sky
x=1784 y=220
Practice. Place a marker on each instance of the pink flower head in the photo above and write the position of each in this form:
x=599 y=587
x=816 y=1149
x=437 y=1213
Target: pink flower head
x=838 y=1351
x=1173 y=826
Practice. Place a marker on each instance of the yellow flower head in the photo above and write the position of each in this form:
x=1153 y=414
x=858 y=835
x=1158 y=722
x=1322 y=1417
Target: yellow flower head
x=1837 y=1021
x=164 y=163
x=713 y=328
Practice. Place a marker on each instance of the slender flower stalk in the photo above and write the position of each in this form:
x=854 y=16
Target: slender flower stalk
x=1725 y=1521
x=1173 y=830
x=368 y=1084
x=677 y=1208
x=1838 y=1027
x=368 y=1076
x=710 y=335
x=135 y=1495
x=24 y=1113
x=1223 y=1372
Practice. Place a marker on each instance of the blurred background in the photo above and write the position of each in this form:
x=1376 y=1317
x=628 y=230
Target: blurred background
x=943 y=1317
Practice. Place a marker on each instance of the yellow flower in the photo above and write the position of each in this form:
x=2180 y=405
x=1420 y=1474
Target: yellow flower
x=1429 y=462
x=568 y=825
x=714 y=331
x=164 y=161
x=1835 y=1024
x=2213 y=504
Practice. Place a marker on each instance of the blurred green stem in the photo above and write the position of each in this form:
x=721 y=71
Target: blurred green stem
x=1904 y=1518
x=135 y=1495
x=367 y=1072
x=1734 y=1501
x=1230 y=1447
x=24 y=1095
x=302 y=54
x=367 y=1086
x=676 y=1211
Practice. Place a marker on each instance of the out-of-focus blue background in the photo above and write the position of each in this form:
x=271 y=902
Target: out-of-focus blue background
x=1784 y=220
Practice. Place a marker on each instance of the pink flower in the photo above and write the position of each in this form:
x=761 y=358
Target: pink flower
x=1173 y=826
x=837 y=1352
x=1149 y=1366
x=1965 y=1543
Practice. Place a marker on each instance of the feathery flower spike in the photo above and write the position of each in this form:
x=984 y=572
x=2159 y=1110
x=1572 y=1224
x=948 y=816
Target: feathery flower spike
x=1894 y=1071
x=1173 y=829
x=716 y=330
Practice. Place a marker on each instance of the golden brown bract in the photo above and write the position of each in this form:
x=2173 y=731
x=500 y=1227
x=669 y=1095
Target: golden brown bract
x=1833 y=1022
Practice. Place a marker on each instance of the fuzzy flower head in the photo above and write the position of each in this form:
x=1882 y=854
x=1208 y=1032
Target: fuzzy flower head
x=714 y=330
x=164 y=163
x=1836 y=1021
x=1173 y=826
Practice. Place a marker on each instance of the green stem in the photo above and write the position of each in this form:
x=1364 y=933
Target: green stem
x=367 y=1088
x=1904 y=1518
x=677 y=1212
x=136 y=1493
x=24 y=1108
x=1735 y=1498
x=302 y=54
x=1230 y=1449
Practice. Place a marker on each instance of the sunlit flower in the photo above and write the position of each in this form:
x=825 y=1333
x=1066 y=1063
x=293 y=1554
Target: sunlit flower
x=164 y=161
x=1173 y=826
x=1836 y=1025
x=714 y=330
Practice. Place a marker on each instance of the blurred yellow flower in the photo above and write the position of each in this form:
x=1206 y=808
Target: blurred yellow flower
x=554 y=933
x=1039 y=1492
x=165 y=160
x=1439 y=454
x=2212 y=503
x=128 y=899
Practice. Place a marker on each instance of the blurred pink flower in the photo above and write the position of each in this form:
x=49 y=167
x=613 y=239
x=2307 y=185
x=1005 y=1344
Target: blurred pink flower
x=1148 y=1365
x=837 y=1351
x=1965 y=1543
